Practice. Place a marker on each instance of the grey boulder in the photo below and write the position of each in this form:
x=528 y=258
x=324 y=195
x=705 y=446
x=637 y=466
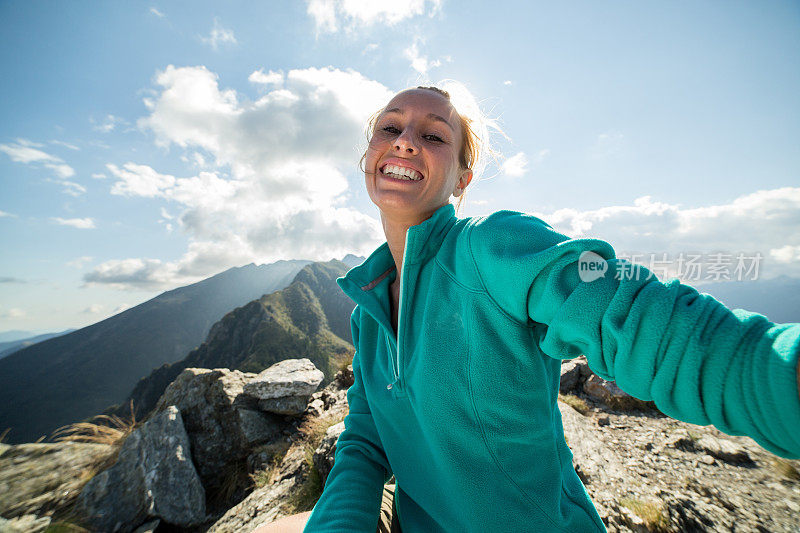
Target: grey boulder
x=153 y=478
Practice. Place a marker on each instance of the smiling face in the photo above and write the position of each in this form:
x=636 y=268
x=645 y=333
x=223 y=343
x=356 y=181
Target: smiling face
x=412 y=162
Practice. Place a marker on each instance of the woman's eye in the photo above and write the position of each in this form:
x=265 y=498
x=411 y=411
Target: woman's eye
x=390 y=129
x=434 y=137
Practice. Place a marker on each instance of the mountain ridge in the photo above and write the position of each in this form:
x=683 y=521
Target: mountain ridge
x=310 y=318
x=68 y=378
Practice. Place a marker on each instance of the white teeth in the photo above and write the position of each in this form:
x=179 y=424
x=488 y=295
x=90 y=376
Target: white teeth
x=402 y=173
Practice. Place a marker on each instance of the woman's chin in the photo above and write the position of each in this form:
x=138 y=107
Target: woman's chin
x=397 y=205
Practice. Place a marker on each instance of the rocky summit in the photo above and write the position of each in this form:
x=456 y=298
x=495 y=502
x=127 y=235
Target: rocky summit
x=211 y=458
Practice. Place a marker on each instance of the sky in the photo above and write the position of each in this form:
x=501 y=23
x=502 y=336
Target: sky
x=148 y=145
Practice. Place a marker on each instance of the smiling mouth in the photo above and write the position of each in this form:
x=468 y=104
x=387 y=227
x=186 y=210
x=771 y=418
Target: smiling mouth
x=401 y=173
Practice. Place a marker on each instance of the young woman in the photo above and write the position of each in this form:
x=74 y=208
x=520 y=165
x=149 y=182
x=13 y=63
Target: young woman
x=460 y=328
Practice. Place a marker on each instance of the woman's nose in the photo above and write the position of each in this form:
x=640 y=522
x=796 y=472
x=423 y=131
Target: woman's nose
x=405 y=143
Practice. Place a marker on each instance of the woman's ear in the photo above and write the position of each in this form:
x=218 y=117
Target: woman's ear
x=463 y=181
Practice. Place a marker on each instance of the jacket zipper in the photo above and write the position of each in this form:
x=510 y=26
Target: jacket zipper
x=400 y=318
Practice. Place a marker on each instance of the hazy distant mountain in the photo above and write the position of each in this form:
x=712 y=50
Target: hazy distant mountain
x=778 y=299
x=69 y=378
x=7 y=348
x=353 y=260
x=15 y=335
x=309 y=318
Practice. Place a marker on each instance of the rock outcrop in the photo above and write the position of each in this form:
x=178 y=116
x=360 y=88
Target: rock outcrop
x=153 y=477
x=285 y=387
x=325 y=454
x=45 y=479
x=647 y=472
x=221 y=423
x=643 y=470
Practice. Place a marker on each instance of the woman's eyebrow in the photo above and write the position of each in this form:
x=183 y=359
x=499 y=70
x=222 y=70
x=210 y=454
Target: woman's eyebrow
x=432 y=116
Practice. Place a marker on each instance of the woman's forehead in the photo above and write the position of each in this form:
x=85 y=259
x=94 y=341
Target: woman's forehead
x=422 y=100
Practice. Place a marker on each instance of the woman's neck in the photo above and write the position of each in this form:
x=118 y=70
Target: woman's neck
x=395 y=229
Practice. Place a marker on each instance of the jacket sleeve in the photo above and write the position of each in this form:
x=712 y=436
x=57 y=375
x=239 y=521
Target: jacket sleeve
x=351 y=499
x=696 y=359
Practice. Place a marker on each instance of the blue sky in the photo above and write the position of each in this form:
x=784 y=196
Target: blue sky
x=144 y=146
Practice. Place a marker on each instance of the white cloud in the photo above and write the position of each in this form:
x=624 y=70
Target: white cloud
x=331 y=15
x=94 y=309
x=419 y=62
x=270 y=78
x=108 y=124
x=139 y=180
x=608 y=144
x=26 y=142
x=120 y=308
x=649 y=226
x=157 y=13
x=72 y=188
x=288 y=154
x=219 y=35
x=507 y=82
x=131 y=274
x=786 y=254
x=99 y=176
x=24 y=151
x=516 y=165
x=65 y=144
x=371 y=47
x=81 y=223
x=14 y=312
x=540 y=156
x=4 y=214
x=79 y=262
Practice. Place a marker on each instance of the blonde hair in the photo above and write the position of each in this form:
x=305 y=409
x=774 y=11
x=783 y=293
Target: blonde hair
x=476 y=145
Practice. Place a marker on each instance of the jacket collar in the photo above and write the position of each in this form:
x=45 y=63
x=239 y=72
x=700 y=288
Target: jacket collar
x=422 y=242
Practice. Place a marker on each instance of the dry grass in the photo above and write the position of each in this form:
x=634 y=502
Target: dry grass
x=309 y=492
x=311 y=488
x=342 y=361
x=315 y=429
x=65 y=527
x=575 y=402
x=109 y=430
x=234 y=483
x=785 y=469
x=276 y=453
x=105 y=429
x=653 y=514
x=4 y=434
x=629 y=403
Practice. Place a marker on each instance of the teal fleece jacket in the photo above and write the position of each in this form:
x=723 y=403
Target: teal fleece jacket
x=461 y=405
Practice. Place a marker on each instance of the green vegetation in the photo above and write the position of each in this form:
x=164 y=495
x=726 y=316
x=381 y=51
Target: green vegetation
x=276 y=452
x=288 y=324
x=786 y=469
x=309 y=492
x=575 y=402
x=653 y=514
x=65 y=527
x=311 y=488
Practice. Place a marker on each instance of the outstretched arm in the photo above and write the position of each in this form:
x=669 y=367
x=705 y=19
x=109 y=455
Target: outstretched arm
x=698 y=360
